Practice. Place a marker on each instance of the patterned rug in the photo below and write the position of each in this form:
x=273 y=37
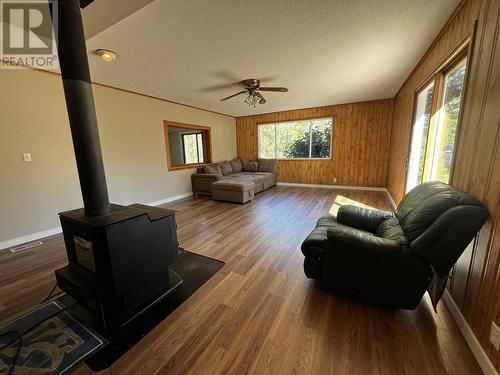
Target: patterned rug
x=52 y=342
x=59 y=341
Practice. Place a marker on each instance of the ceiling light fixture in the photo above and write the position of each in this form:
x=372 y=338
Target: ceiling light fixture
x=252 y=99
x=106 y=55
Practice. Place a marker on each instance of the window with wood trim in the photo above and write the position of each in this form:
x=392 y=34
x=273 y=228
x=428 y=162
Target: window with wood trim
x=188 y=146
x=436 y=117
x=303 y=139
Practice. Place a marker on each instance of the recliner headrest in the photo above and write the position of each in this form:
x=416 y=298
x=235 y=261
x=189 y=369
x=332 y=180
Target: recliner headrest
x=425 y=203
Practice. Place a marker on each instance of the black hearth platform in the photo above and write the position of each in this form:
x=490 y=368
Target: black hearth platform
x=195 y=270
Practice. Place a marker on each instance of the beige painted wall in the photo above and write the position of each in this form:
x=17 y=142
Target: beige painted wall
x=33 y=119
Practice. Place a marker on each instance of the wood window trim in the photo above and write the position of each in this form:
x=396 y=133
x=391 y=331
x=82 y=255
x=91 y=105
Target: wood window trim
x=207 y=144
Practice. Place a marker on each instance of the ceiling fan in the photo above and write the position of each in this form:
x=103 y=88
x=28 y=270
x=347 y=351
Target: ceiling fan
x=253 y=88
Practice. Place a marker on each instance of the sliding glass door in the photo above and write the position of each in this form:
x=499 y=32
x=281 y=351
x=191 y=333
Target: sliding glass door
x=437 y=111
x=420 y=136
x=446 y=129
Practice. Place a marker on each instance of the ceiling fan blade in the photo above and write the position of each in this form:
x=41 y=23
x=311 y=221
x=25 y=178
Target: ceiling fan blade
x=217 y=87
x=227 y=75
x=262 y=100
x=268 y=78
x=232 y=96
x=278 y=89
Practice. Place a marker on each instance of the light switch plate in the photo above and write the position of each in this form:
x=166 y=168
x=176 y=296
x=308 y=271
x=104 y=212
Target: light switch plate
x=495 y=335
x=27 y=156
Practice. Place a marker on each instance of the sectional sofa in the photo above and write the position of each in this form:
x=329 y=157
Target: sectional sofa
x=236 y=180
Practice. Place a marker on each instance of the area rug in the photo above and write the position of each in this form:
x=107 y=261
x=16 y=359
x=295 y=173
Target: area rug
x=195 y=270
x=52 y=342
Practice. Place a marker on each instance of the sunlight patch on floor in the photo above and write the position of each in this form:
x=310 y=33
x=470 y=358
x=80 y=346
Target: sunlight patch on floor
x=340 y=200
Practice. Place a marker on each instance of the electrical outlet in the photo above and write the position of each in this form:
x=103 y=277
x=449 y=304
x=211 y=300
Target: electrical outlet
x=495 y=336
x=335 y=179
x=27 y=156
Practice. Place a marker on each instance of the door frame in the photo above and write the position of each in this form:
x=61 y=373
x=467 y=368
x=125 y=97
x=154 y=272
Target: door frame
x=464 y=50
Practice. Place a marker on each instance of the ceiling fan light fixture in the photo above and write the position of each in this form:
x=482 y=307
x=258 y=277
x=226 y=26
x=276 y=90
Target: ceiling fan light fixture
x=253 y=88
x=251 y=99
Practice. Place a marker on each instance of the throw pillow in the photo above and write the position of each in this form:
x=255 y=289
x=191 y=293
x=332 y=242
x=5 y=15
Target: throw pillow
x=244 y=163
x=226 y=167
x=252 y=166
x=268 y=165
x=212 y=169
x=236 y=165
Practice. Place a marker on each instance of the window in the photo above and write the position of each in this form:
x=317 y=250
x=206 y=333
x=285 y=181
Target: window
x=305 y=139
x=192 y=146
x=437 y=111
x=188 y=146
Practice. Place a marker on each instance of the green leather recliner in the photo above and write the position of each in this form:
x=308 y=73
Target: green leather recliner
x=392 y=259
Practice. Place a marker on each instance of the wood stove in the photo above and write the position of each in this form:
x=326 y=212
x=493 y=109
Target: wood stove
x=119 y=256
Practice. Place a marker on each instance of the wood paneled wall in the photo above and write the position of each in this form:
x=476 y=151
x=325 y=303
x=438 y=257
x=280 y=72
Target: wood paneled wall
x=475 y=281
x=361 y=138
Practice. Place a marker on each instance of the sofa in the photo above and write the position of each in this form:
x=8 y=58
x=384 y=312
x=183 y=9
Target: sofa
x=237 y=173
x=393 y=259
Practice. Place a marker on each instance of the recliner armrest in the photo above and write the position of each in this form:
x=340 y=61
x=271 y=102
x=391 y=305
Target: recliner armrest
x=363 y=240
x=362 y=218
x=444 y=241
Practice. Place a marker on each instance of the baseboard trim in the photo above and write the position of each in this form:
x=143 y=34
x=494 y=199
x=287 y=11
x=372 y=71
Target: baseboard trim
x=5 y=245
x=339 y=187
x=391 y=199
x=471 y=339
x=171 y=199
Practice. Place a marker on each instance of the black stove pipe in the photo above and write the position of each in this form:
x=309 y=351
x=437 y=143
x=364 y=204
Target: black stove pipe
x=74 y=66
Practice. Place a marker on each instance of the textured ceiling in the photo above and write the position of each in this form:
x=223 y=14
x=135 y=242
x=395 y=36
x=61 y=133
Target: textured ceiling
x=325 y=52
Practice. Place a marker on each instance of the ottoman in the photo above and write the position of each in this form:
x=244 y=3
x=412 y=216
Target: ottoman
x=233 y=191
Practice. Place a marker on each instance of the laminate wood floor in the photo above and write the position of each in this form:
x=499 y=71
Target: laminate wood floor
x=260 y=314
